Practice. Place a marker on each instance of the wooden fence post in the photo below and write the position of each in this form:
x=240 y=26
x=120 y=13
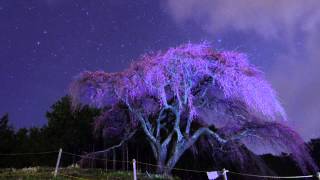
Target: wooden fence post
x=58 y=163
x=134 y=169
x=224 y=174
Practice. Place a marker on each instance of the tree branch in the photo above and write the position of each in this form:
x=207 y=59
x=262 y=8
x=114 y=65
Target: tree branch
x=146 y=130
x=143 y=123
x=113 y=147
x=207 y=131
x=189 y=121
x=160 y=117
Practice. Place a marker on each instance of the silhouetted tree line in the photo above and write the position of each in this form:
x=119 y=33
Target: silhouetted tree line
x=71 y=129
x=67 y=128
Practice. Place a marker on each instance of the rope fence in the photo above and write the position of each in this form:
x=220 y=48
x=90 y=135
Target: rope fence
x=93 y=158
x=273 y=177
x=134 y=163
x=22 y=154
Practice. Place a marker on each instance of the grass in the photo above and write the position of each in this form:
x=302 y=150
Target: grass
x=44 y=173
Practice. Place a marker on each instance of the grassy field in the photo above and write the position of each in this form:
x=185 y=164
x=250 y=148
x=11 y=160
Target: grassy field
x=37 y=173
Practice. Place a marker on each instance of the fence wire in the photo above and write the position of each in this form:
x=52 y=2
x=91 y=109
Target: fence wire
x=23 y=154
x=272 y=177
x=137 y=162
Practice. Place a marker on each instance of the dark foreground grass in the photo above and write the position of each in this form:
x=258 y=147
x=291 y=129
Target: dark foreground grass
x=43 y=173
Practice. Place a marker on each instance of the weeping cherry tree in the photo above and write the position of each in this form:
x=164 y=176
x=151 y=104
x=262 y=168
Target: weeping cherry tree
x=189 y=93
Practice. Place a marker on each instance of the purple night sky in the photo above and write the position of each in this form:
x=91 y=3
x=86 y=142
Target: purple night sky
x=45 y=43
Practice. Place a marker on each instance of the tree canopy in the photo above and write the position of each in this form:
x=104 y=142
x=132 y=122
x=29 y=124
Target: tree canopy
x=191 y=93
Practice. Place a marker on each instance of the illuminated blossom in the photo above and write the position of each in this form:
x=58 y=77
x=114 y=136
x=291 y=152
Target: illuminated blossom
x=190 y=86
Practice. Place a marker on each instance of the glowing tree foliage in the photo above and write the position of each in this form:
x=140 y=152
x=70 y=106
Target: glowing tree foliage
x=188 y=93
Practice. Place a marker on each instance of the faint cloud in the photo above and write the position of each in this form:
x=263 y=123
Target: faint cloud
x=269 y=19
x=295 y=24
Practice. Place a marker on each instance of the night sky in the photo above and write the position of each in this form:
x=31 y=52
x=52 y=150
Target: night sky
x=45 y=43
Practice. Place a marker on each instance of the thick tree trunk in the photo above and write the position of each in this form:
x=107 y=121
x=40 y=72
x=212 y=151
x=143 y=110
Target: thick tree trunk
x=161 y=160
x=173 y=161
x=166 y=163
x=160 y=166
x=166 y=167
x=169 y=151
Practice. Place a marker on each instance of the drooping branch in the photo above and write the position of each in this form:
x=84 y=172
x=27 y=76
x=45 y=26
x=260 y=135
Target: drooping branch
x=125 y=139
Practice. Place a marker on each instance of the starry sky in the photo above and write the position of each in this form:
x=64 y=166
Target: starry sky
x=45 y=43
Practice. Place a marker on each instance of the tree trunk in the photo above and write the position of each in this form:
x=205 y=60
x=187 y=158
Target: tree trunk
x=161 y=165
x=172 y=162
x=165 y=166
